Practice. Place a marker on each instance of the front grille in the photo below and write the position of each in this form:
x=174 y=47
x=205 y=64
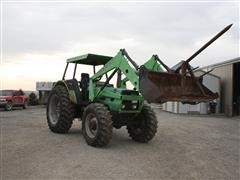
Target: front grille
x=130 y=105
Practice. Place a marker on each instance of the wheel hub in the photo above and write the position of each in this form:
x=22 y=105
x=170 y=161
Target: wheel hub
x=54 y=109
x=91 y=125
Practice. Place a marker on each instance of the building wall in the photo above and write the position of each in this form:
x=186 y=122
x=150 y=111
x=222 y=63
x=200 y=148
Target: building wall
x=213 y=83
x=44 y=88
x=226 y=73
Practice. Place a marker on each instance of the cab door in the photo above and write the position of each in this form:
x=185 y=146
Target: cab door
x=17 y=99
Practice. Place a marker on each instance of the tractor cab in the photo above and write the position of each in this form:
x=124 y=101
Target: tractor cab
x=87 y=59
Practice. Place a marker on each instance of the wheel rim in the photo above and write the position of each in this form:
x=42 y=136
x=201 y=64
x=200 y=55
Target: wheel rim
x=91 y=125
x=54 y=109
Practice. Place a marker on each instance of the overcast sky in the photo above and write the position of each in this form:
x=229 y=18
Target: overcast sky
x=38 y=37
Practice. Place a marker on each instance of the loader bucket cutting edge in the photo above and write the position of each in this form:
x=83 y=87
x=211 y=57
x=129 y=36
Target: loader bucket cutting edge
x=159 y=87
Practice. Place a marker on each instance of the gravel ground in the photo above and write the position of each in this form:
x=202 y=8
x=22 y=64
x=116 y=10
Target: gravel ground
x=185 y=147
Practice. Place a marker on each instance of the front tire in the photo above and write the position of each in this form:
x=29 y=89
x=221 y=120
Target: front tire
x=144 y=126
x=8 y=106
x=97 y=125
x=60 y=110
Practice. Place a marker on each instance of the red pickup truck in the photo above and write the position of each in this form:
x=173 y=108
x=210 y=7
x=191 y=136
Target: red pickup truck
x=12 y=98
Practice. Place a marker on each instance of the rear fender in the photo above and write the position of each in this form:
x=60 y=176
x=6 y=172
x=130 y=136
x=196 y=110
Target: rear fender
x=72 y=88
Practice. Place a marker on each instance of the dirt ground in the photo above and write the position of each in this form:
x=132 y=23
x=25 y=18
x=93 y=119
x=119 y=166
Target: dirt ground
x=185 y=147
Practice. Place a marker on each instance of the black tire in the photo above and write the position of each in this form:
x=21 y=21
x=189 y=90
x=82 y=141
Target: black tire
x=8 y=106
x=25 y=105
x=144 y=127
x=97 y=125
x=60 y=110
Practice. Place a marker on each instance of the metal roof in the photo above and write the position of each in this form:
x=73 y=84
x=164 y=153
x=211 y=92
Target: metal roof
x=224 y=63
x=90 y=59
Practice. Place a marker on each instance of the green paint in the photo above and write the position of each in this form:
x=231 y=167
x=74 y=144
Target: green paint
x=153 y=65
x=113 y=98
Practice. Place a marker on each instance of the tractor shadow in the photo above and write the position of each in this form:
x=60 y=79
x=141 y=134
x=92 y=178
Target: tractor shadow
x=121 y=140
x=75 y=131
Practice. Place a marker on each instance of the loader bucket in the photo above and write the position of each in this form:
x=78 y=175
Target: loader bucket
x=160 y=87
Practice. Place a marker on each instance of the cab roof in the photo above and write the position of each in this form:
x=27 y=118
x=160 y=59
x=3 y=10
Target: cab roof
x=90 y=59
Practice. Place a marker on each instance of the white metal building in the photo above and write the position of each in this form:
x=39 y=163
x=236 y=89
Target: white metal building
x=44 y=89
x=229 y=72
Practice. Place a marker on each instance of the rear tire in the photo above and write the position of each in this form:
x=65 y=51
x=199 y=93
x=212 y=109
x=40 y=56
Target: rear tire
x=25 y=105
x=60 y=110
x=97 y=125
x=144 y=127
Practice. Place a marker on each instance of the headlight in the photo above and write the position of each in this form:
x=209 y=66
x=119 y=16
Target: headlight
x=134 y=106
x=130 y=105
x=134 y=102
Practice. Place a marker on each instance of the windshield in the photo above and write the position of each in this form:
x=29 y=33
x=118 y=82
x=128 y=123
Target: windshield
x=6 y=92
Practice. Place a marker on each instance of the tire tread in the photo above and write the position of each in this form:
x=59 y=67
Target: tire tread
x=67 y=111
x=150 y=128
x=104 y=133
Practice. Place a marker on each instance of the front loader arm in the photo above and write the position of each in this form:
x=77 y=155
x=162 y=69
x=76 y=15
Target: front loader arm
x=119 y=62
x=152 y=64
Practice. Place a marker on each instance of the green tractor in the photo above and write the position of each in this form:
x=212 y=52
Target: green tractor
x=102 y=105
